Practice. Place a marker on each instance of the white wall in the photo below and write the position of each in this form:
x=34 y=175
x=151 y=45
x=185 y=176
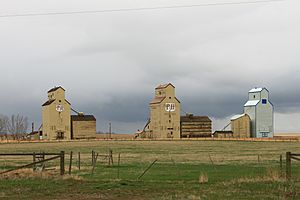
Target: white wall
x=264 y=120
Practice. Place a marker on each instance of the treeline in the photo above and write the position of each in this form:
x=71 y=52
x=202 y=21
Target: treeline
x=14 y=126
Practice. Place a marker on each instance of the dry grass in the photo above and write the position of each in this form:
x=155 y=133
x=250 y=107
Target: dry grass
x=30 y=174
x=255 y=180
x=116 y=136
x=177 y=175
x=222 y=152
x=203 y=178
x=272 y=175
x=26 y=173
x=2 y=195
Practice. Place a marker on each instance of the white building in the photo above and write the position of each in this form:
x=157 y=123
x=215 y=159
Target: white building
x=261 y=113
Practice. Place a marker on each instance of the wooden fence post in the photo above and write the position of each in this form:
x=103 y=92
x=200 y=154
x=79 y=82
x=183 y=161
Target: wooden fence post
x=62 y=163
x=212 y=162
x=119 y=159
x=93 y=157
x=29 y=165
x=34 y=166
x=288 y=165
x=280 y=160
x=70 y=165
x=43 y=165
x=94 y=164
x=79 y=161
x=108 y=157
x=112 y=159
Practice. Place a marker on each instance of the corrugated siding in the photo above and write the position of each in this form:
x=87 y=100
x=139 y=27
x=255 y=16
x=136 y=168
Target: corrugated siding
x=196 y=129
x=264 y=120
x=251 y=112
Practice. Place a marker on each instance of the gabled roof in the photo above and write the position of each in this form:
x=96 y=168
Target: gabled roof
x=145 y=127
x=192 y=118
x=67 y=101
x=177 y=99
x=237 y=116
x=257 y=90
x=49 y=102
x=56 y=88
x=160 y=99
x=222 y=132
x=162 y=86
x=157 y=100
x=251 y=103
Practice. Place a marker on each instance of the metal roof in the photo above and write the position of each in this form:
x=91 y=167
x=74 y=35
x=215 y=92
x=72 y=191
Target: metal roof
x=164 y=86
x=222 y=132
x=157 y=100
x=192 y=118
x=49 y=102
x=251 y=103
x=256 y=90
x=237 y=116
x=56 y=88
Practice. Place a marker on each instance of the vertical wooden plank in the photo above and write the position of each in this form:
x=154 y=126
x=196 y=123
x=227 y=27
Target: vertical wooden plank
x=34 y=167
x=93 y=157
x=62 y=163
x=79 y=161
x=70 y=165
x=111 y=157
x=43 y=164
x=211 y=161
x=119 y=160
x=280 y=160
x=94 y=164
x=288 y=165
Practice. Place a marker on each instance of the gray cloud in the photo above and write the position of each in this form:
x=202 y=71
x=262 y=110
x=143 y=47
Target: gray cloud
x=110 y=63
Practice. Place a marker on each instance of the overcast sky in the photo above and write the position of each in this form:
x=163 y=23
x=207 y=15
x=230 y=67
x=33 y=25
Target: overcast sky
x=109 y=63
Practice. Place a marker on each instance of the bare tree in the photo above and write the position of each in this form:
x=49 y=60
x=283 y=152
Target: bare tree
x=3 y=124
x=17 y=125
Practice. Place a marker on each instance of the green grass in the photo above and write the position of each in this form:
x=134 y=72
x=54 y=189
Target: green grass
x=232 y=170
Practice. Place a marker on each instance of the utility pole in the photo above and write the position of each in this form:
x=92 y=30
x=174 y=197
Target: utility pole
x=110 y=131
x=32 y=127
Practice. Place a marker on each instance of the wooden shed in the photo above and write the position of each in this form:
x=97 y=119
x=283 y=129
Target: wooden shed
x=223 y=134
x=195 y=126
x=83 y=127
x=241 y=126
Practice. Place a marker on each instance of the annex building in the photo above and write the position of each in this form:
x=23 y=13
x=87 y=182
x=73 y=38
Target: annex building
x=257 y=121
x=195 y=126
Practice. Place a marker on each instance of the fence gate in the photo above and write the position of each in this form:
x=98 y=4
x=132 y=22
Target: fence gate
x=38 y=159
x=289 y=157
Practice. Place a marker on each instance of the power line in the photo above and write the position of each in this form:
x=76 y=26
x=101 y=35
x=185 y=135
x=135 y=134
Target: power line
x=137 y=9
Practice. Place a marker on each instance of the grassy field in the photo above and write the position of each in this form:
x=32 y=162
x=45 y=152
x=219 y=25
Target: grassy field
x=184 y=170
